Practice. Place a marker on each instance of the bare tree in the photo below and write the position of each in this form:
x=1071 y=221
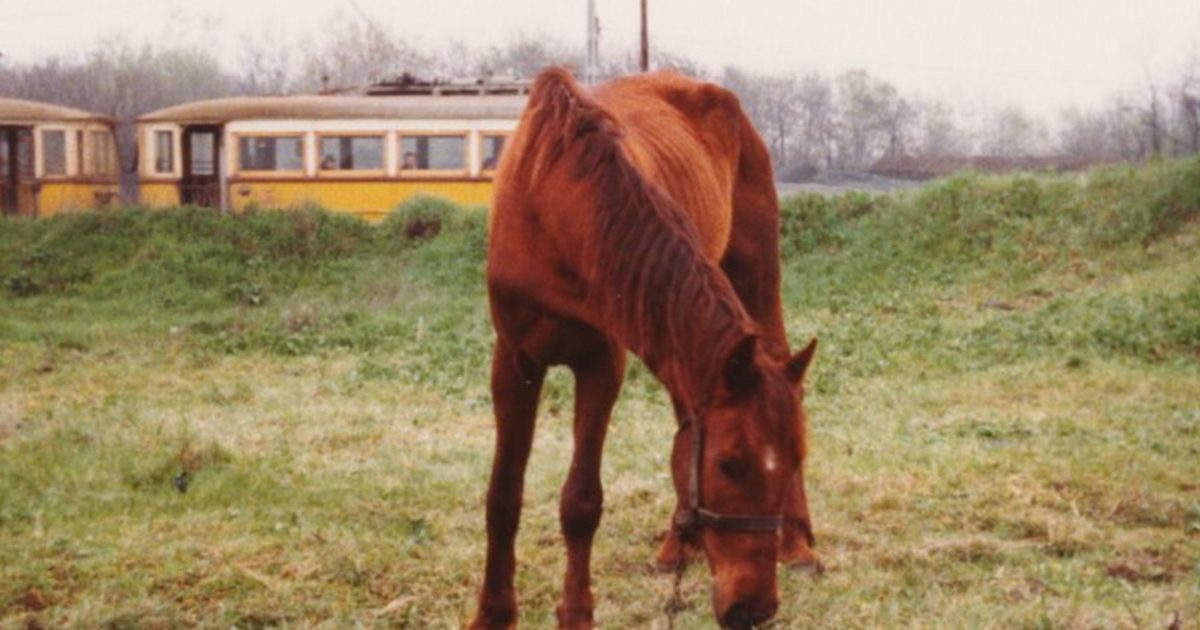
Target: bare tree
x=1125 y=129
x=355 y=51
x=629 y=62
x=266 y=64
x=1152 y=118
x=667 y=60
x=1010 y=132
x=458 y=59
x=1187 y=104
x=1085 y=134
x=896 y=121
x=817 y=113
x=524 y=56
x=771 y=103
x=779 y=112
x=939 y=133
x=873 y=119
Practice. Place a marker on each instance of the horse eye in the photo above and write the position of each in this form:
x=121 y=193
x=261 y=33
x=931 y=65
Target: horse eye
x=731 y=467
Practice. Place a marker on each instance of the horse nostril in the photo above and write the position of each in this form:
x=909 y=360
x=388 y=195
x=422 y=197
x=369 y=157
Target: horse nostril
x=738 y=617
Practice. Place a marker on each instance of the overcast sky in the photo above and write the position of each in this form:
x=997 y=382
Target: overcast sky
x=1041 y=54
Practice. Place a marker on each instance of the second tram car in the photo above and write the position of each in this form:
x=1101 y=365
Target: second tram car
x=361 y=154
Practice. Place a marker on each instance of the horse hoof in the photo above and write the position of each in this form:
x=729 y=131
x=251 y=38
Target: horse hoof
x=581 y=620
x=803 y=559
x=813 y=569
x=479 y=624
x=495 y=621
x=811 y=565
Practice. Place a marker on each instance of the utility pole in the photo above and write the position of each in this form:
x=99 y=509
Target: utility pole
x=591 y=72
x=645 y=41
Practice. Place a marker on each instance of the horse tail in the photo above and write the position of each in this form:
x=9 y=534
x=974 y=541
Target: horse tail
x=559 y=117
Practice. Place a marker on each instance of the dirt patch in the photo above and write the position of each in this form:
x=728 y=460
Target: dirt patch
x=33 y=600
x=1147 y=566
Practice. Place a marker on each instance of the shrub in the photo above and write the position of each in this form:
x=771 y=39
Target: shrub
x=418 y=220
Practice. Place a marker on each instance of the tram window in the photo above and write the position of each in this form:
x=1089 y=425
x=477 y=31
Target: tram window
x=54 y=152
x=101 y=162
x=25 y=154
x=271 y=153
x=434 y=153
x=352 y=153
x=202 y=157
x=164 y=152
x=493 y=145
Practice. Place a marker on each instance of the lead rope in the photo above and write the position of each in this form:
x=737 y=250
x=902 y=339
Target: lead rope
x=675 y=604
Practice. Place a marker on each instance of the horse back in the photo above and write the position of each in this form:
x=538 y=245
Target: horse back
x=685 y=137
x=685 y=141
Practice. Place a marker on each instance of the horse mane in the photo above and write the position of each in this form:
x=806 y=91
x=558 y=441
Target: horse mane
x=644 y=265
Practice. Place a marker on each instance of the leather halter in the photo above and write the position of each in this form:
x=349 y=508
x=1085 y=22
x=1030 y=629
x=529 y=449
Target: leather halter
x=696 y=517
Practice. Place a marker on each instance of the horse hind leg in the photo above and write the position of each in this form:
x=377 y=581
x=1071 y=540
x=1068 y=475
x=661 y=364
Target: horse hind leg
x=598 y=377
x=516 y=386
x=796 y=540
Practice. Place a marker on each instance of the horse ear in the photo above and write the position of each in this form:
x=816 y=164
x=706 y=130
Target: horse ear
x=740 y=371
x=797 y=366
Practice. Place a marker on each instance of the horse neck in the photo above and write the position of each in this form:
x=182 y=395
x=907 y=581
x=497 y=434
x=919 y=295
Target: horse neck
x=664 y=299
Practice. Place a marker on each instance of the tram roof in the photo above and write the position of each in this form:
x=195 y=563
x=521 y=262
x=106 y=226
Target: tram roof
x=223 y=110
x=16 y=110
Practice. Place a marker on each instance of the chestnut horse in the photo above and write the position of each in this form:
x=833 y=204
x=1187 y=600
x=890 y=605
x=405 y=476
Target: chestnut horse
x=642 y=215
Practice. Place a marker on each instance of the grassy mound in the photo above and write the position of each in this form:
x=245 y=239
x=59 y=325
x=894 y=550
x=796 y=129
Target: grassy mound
x=1093 y=265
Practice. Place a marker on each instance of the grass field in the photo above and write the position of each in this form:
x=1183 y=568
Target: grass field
x=1005 y=418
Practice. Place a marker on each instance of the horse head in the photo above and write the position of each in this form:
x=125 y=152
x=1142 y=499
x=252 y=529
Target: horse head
x=751 y=444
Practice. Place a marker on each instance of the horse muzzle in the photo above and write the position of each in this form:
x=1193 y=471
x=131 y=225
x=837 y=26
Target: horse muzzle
x=745 y=615
x=741 y=608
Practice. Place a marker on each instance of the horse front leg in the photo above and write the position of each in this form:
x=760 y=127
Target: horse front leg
x=516 y=386
x=598 y=380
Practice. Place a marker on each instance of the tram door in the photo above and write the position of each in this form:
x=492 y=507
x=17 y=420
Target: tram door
x=201 y=184
x=17 y=190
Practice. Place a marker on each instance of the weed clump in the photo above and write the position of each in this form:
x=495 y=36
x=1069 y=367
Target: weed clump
x=421 y=219
x=417 y=220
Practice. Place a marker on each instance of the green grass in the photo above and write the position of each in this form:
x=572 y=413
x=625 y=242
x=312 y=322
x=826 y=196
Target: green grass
x=1005 y=417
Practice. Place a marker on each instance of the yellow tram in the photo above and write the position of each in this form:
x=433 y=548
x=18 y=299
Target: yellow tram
x=55 y=159
x=362 y=154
